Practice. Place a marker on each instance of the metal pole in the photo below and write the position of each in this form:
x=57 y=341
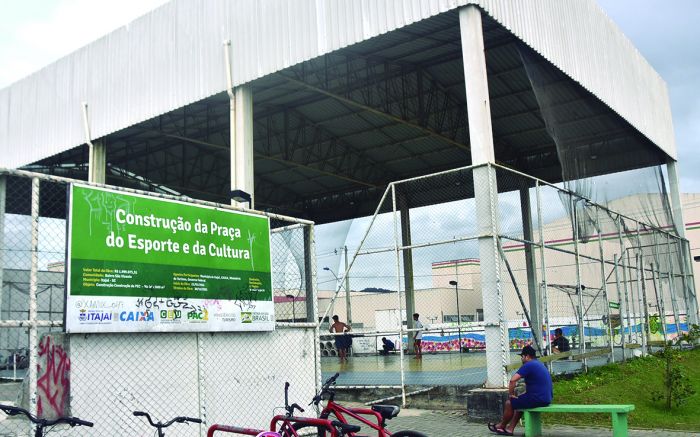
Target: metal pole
x=605 y=283
x=348 y=310
x=624 y=254
x=459 y=320
x=642 y=290
x=33 y=280
x=545 y=291
x=620 y=307
x=671 y=286
x=658 y=287
x=658 y=290
x=398 y=293
x=579 y=291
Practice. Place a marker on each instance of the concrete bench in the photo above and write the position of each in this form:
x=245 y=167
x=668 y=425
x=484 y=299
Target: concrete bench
x=533 y=422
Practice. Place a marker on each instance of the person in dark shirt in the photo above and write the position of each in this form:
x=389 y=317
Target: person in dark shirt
x=560 y=343
x=538 y=392
x=387 y=346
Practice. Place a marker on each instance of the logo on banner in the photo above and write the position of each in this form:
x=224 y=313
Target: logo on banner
x=198 y=316
x=253 y=317
x=95 y=316
x=170 y=316
x=137 y=316
x=226 y=317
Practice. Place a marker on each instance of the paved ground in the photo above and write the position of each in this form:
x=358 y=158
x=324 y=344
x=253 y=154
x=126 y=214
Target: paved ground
x=455 y=424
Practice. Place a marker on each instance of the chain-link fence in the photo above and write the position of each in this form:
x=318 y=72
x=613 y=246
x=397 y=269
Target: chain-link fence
x=491 y=260
x=233 y=378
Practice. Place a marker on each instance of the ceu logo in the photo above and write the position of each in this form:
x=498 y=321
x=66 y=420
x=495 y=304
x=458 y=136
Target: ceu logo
x=246 y=317
x=83 y=315
x=170 y=314
x=136 y=316
x=198 y=315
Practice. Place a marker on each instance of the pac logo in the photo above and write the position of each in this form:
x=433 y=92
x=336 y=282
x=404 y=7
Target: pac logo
x=246 y=317
x=202 y=316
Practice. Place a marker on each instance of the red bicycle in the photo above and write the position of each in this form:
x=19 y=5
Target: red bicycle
x=286 y=425
x=378 y=415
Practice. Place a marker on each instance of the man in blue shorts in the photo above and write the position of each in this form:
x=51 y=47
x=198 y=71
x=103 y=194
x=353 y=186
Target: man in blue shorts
x=538 y=392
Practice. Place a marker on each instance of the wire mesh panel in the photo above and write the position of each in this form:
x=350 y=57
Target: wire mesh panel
x=568 y=267
x=232 y=378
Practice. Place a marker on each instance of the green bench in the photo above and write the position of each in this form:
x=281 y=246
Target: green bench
x=533 y=421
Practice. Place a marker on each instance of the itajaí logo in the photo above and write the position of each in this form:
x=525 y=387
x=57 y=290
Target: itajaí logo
x=137 y=316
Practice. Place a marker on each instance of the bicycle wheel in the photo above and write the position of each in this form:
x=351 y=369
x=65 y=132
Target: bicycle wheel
x=320 y=432
x=408 y=434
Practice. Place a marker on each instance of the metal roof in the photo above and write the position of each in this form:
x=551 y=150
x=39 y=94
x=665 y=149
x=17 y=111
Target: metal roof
x=347 y=95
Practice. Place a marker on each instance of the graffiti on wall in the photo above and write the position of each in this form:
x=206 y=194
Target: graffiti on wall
x=53 y=379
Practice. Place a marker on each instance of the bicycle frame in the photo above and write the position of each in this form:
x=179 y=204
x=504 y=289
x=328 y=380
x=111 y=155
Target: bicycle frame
x=287 y=422
x=356 y=413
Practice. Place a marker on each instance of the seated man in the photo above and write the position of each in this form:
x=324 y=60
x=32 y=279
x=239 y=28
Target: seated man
x=560 y=343
x=538 y=392
x=387 y=346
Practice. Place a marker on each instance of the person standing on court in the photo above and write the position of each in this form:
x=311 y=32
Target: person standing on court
x=538 y=392
x=418 y=335
x=342 y=342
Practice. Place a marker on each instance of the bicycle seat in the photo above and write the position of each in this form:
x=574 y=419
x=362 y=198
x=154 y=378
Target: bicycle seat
x=387 y=411
x=345 y=427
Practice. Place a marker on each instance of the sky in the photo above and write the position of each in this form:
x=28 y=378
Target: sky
x=34 y=33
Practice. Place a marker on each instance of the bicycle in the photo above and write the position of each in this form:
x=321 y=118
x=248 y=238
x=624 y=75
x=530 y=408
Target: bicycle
x=290 y=424
x=381 y=413
x=287 y=423
x=43 y=423
x=161 y=426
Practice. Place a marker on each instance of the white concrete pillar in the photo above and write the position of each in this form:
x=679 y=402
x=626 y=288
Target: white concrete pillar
x=242 y=176
x=3 y=191
x=97 y=162
x=485 y=193
x=679 y=223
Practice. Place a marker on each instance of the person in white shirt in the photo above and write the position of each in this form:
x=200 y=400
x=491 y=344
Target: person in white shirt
x=418 y=336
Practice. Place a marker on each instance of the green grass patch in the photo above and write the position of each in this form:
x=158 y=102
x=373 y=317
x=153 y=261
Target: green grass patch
x=630 y=383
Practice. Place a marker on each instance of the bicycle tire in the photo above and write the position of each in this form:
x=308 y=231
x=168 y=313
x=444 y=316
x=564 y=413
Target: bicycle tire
x=408 y=434
x=321 y=432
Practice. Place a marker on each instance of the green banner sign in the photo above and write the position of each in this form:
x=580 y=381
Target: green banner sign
x=614 y=305
x=130 y=246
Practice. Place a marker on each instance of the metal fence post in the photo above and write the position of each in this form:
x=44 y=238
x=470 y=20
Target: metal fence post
x=579 y=291
x=671 y=283
x=620 y=306
x=605 y=282
x=398 y=291
x=543 y=268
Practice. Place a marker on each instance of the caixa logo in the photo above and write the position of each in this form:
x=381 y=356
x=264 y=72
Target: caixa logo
x=137 y=316
x=170 y=314
x=198 y=315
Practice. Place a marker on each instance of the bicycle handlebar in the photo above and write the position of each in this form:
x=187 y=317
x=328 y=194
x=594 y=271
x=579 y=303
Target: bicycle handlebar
x=179 y=419
x=72 y=421
x=325 y=388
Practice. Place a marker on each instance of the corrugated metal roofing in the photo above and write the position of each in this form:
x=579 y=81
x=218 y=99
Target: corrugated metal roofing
x=173 y=56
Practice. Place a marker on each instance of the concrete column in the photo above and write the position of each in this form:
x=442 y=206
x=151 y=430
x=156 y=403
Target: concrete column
x=242 y=176
x=485 y=193
x=679 y=223
x=97 y=162
x=533 y=289
x=407 y=267
x=310 y=274
x=3 y=190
